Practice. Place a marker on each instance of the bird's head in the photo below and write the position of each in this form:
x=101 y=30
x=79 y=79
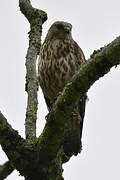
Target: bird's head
x=60 y=30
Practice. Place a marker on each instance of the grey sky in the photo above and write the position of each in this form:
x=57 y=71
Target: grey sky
x=95 y=24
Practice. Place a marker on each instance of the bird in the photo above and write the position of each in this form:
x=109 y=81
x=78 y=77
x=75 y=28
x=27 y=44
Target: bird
x=59 y=60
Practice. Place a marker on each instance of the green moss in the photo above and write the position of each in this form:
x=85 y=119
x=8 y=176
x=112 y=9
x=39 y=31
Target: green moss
x=2 y=127
x=14 y=155
x=38 y=15
x=95 y=52
x=55 y=169
x=5 y=141
x=36 y=140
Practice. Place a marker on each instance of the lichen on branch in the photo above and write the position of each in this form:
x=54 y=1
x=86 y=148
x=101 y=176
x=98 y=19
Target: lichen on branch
x=36 y=18
x=44 y=152
x=6 y=169
x=96 y=67
x=39 y=160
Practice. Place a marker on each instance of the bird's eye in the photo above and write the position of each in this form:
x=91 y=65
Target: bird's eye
x=59 y=26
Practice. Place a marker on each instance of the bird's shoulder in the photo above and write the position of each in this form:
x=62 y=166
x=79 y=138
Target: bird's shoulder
x=78 y=52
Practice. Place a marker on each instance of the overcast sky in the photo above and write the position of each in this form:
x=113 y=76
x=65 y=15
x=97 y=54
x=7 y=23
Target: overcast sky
x=95 y=24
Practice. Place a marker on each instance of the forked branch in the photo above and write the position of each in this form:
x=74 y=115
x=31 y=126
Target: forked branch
x=45 y=150
x=23 y=154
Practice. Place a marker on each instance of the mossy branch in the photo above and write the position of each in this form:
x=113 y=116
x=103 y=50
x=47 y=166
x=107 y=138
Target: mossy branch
x=5 y=170
x=36 y=18
x=24 y=154
x=26 y=8
x=10 y=140
x=97 y=66
x=19 y=151
x=37 y=160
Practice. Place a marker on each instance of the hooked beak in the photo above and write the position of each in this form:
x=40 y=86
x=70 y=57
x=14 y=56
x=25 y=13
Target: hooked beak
x=67 y=30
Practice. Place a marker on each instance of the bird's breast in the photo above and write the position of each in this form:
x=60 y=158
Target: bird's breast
x=57 y=65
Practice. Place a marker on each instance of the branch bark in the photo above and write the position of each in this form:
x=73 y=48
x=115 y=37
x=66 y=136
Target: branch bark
x=100 y=63
x=5 y=170
x=12 y=143
x=41 y=159
x=21 y=153
x=26 y=8
x=36 y=18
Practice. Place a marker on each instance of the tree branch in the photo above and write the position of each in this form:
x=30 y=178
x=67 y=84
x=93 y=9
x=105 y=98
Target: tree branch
x=31 y=158
x=100 y=63
x=36 y=18
x=26 y=8
x=22 y=154
x=10 y=140
x=5 y=170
